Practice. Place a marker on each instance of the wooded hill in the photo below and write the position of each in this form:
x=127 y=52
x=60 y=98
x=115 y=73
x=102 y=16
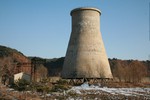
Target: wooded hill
x=9 y=59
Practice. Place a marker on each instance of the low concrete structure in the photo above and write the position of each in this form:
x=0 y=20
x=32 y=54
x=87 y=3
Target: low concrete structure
x=22 y=75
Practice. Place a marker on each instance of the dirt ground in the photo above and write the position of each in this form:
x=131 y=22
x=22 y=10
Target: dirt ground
x=82 y=93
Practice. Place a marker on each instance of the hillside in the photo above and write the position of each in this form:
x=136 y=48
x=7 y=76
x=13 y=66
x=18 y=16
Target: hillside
x=12 y=53
x=10 y=60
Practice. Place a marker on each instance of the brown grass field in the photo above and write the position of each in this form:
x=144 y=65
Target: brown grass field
x=110 y=91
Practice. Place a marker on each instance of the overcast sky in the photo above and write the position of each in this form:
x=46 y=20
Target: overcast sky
x=42 y=27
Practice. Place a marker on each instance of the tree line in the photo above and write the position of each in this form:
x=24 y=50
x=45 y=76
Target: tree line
x=130 y=70
x=122 y=70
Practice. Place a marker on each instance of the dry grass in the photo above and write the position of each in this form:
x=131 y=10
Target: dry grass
x=126 y=85
x=6 y=94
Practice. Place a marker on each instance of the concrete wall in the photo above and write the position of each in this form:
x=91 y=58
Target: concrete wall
x=22 y=75
x=86 y=56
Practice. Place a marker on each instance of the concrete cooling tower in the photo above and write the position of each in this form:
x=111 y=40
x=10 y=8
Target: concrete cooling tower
x=86 y=56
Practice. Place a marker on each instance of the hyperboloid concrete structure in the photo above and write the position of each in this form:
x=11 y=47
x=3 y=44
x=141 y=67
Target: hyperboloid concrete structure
x=86 y=56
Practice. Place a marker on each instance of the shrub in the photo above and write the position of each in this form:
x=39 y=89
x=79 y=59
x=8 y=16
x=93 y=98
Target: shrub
x=59 y=88
x=62 y=82
x=21 y=85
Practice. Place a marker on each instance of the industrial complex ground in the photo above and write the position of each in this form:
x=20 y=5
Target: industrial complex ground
x=115 y=91
x=129 y=85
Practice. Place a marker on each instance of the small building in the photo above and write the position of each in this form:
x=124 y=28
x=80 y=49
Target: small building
x=22 y=75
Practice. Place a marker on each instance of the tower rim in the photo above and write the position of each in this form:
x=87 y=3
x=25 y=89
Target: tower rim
x=85 y=8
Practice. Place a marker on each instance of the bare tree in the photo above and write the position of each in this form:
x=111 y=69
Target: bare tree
x=119 y=70
x=41 y=72
x=137 y=71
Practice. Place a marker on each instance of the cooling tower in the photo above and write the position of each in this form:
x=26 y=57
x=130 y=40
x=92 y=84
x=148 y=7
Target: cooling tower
x=86 y=56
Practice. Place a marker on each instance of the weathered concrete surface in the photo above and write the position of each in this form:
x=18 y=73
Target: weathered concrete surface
x=86 y=56
x=22 y=75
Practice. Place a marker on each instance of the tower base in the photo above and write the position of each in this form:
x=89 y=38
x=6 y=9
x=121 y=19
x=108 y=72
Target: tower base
x=79 y=81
